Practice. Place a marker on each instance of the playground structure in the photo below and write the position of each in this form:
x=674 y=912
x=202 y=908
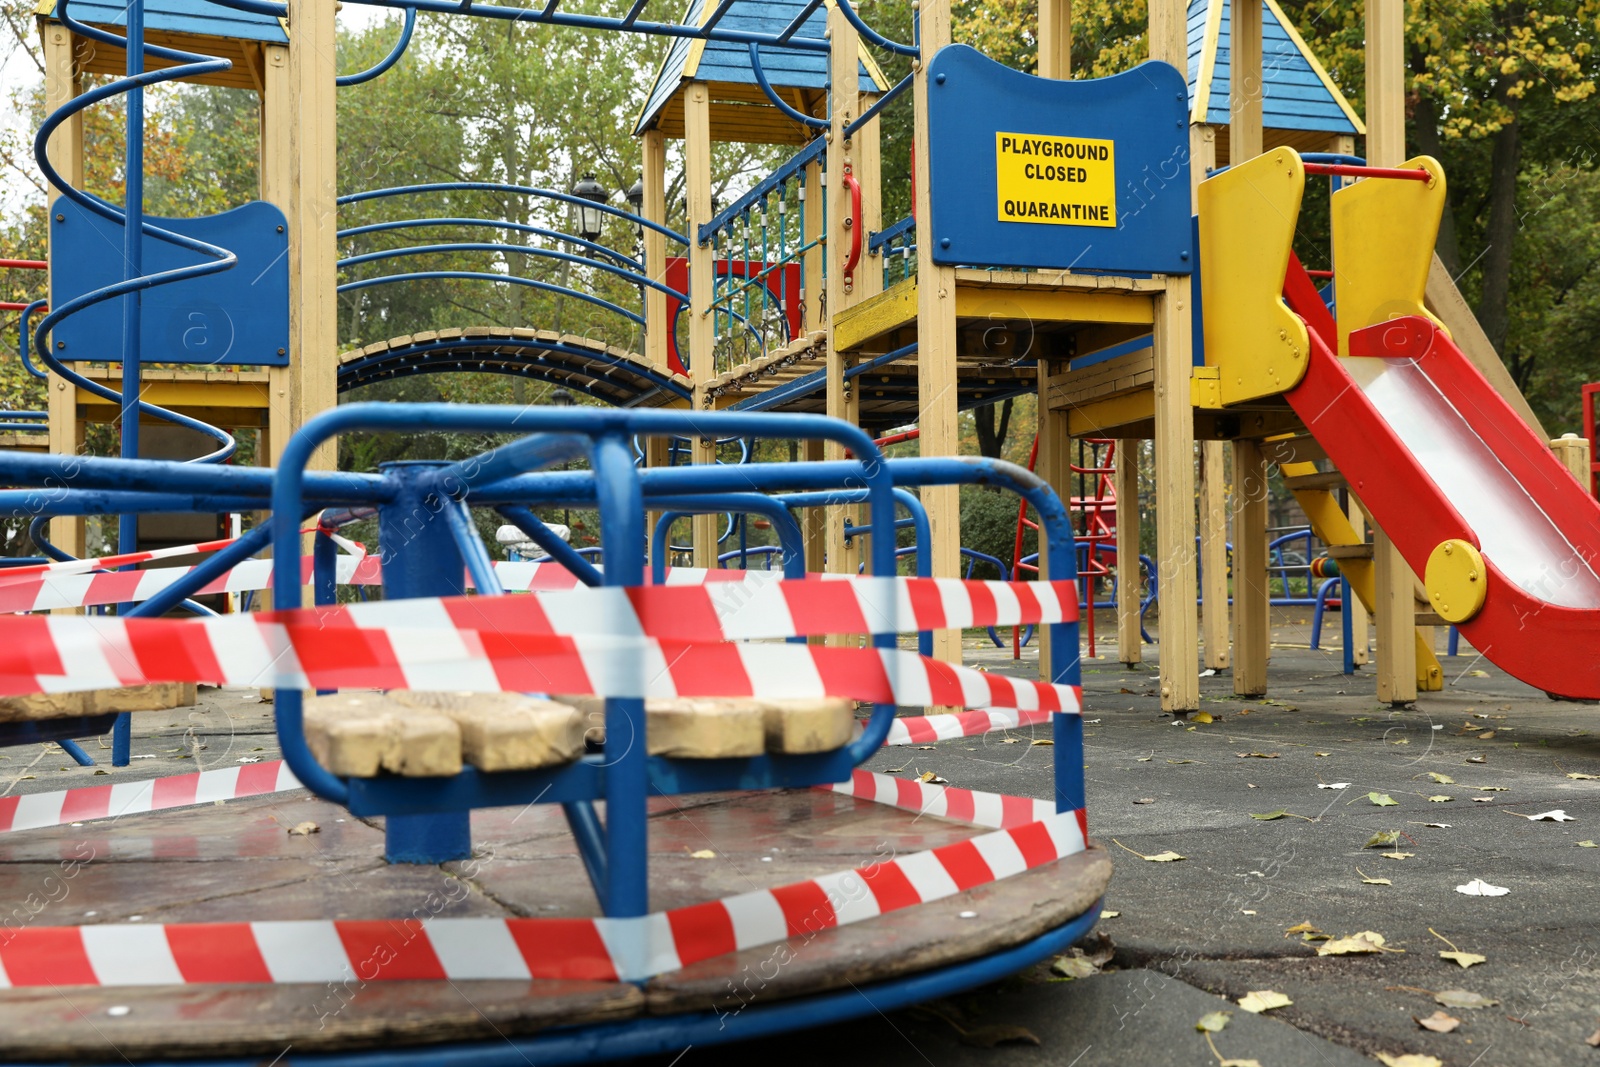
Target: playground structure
x=1157 y=298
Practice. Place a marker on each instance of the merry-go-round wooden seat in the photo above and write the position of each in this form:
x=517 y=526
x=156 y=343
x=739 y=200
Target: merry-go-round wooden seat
x=426 y=734
x=729 y=727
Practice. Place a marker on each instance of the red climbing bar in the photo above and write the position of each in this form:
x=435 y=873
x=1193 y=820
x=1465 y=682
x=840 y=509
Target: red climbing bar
x=7 y=305
x=24 y=264
x=1350 y=170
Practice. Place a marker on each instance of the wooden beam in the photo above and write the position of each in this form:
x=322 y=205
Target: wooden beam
x=1055 y=39
x=1174 y=438
x=1053 y=464
x=1360 y=619
x=657 y=330
x=936 y=338
x=1130 y=646
x=313 y=220
x=1394 y=613
x=1445 y=300
x=276 y=171
x=1246 y=87
x=1251 y=631
x=844 y=63
x=702 y=281
x=62 y=83
x=1214 y=554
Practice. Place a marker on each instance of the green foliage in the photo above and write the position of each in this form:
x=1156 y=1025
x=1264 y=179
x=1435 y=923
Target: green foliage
x=989 y=525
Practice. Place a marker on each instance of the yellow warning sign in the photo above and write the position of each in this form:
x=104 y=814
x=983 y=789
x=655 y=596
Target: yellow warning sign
x=1060 y=181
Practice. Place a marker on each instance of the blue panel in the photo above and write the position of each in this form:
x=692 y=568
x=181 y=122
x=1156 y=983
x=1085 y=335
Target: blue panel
x=235 y=316
x=185 y=16
x=1144 y=112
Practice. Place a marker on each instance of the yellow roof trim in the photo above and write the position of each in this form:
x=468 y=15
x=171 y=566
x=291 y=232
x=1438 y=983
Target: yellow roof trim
x=884 y=84
x=697 y=47
x=1208 y=61
x=1311 y=58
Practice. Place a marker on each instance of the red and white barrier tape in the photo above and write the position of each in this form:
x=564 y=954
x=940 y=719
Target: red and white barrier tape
x=585 y=949
x=54 y=654
x=723 y=611
x=32 y=811
x=127 y=559
x=921 y=729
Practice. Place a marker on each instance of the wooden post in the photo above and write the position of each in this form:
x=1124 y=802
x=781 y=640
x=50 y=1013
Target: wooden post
x=1395 y=611
x=62 y=83
x=867 y=152
x=276 y=174
x=657 y=330
x=1213 y=509
x=1053 y=464
x=657 y=454
x=936 y=339
x=313 y=220
x=1055 y=442
x=844 y=59
x=811 y=286
x=1360 y=621
x=1214 y=553
x=702 y=280
x=1130 y=648
x=1055 y=40
x=1252 y=637
x=1174 y=439
x=1245 y=81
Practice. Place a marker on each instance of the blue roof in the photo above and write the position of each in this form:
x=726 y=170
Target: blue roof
x=179 y=16
x=1297 y=94
x=729 y=62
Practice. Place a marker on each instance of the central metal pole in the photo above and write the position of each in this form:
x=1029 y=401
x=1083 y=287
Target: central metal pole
x=420 y=559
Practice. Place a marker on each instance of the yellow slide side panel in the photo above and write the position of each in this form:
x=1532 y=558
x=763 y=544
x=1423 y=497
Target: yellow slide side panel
x=1247 y=220
x=1384 y=230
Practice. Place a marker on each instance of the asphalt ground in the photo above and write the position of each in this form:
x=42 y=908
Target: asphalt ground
x=1190 y=933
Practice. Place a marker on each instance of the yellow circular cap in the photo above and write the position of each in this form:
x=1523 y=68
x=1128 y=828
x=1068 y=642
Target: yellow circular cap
x=1456 y=579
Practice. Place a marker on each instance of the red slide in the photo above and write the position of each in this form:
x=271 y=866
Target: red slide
x=1435 y=453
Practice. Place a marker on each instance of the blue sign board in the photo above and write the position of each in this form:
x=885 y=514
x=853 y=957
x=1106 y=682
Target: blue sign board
x=236 y=316
x=1088 y=175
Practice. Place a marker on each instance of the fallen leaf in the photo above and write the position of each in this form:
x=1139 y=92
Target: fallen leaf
x=996 y=1034
x=1163 y=857
x=1383 y=839
x=1372 y=881
x=1367 y=941
x=1042 y=741
x=304 y=829
x=1398 y=855
x=1333 y=785
x=1109 y=914
x=1408 y=1059
x=1145 y=759
x=1437 y=825
x=1145 y=800
x=1461 y=998
x=1440 y=799
x=1322 y=753
x=1584 y=777
x=249 y=759
x=1587 y=844
x=1438 y=1022
x=1593 y=1040
x=1125 y=689
x=1181 y=761
x=703 y=854
x=1259 y=755
x=1259 y=1000
x=1202 y=716
x=1239 y=1063
x=1442 y=779
x=1011 y=741
x=1475 y=759
x=1487 y=735
x=1269 y=816
x=1073 y=967
x=1303 y=928
x=1466 y=959
x=1546 y=816
x=1479 y=888
x=1212 y=1022
x=1483 y=800
x=1383 y=800
x=1475 y=673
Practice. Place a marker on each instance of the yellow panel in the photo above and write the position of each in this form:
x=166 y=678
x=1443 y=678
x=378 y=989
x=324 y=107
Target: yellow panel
x=1036 y=306
x=891 y=309
x=1098 y=415
x=184 y=395
x=1205 y=388
x=1247 y=220
x=1384 y=231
